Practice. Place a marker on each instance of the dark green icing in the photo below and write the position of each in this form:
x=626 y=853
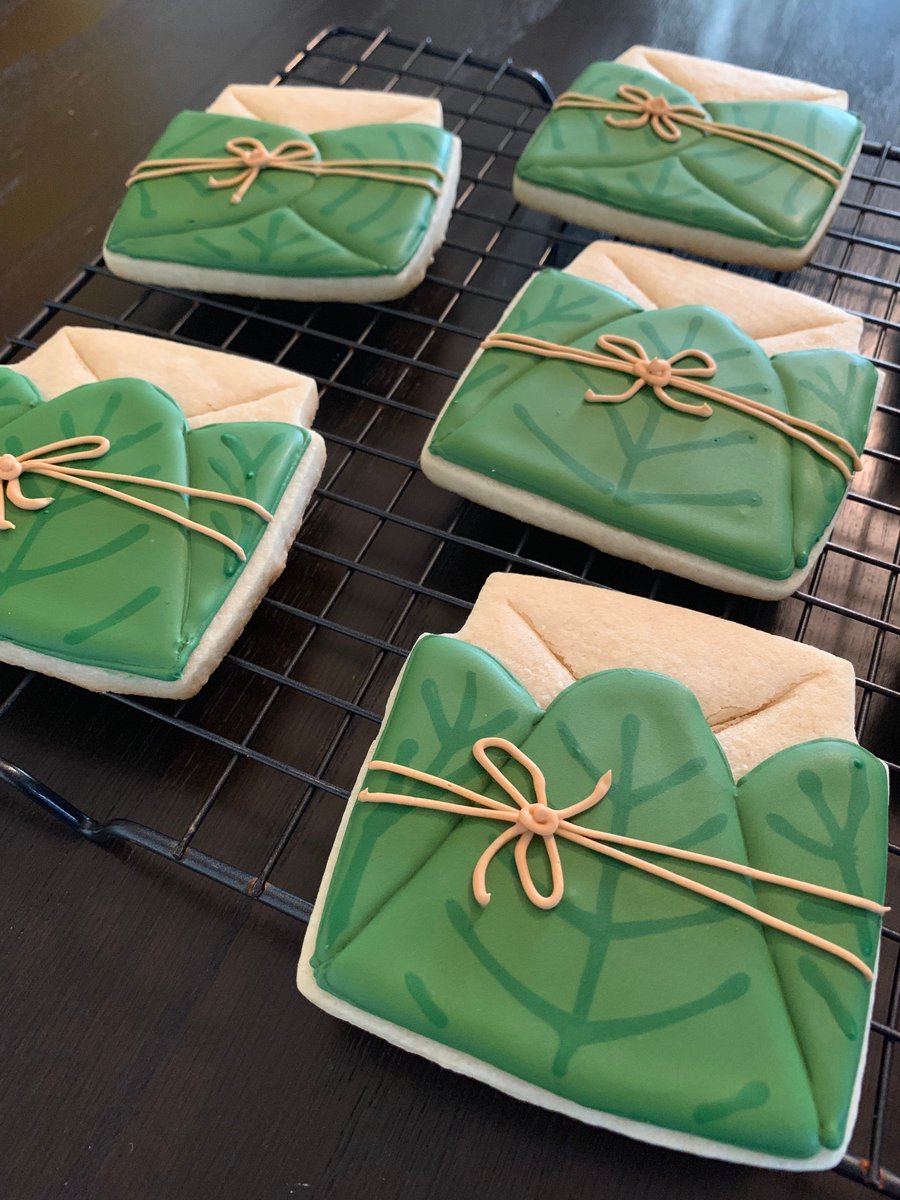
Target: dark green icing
x=431 y=1011
x=633 y=996
x=287 y=223
x=729 y=488
x=707 y=181
x=96 y=581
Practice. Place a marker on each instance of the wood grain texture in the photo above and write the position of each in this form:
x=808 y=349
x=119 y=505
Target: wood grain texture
x=152 y=1043
x=85 y=89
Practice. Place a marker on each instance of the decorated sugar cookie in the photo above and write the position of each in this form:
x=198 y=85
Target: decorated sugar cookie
x=568 y=875
x=634 y=413
x=291 y=193
x=701 y=156
x=143 y=516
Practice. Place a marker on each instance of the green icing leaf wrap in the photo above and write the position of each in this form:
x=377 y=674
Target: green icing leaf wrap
x=96 y=581
x=729 y=488
x=706 y=181
x=632 y=997
x=287 y=223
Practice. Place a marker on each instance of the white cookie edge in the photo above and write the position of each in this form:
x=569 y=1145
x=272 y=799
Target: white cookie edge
x=706 y=243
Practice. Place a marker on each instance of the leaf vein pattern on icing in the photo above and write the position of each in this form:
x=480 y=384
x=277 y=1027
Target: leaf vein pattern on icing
x=138 y=596
x=733 y=488
x=560 y=998
x=574 y=1028
x=431 y=1010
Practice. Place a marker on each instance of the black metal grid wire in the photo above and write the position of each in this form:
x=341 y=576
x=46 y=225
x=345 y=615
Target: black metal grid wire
x=383 y=556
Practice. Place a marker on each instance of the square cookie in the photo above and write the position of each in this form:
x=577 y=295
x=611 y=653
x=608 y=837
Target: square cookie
x=702 y=156
x=563 y=957
x=298 y=193
x=728 y=466
x=151 y=492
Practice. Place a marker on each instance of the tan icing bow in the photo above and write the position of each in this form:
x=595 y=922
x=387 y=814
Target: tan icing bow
x=38 y=462
x=627 y=355
x=642 y=108
x=528 y=820
x=248 y=156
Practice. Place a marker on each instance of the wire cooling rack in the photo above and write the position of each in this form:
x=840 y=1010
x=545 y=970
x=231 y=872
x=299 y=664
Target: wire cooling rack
x=245 y=783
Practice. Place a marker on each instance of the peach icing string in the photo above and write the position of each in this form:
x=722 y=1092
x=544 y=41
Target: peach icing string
x=248 y=157
x=639 y=107
x=526 y=820
x=629 y=356
x=39 y=462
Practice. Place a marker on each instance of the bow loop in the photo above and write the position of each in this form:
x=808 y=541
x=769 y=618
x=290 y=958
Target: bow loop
x=539 y=783
x=628 y=349
x=252 y=156
x=92 y=446
x=534 y=819
x=707 y=367
x=252 y=152
x=248 y=150
x=639 y=96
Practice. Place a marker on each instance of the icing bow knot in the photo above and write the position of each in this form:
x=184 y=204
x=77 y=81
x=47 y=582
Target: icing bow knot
x=527 y=819
x=655 y=373
x=48 y=462
x=253 y=157
x=655 y=111
x=249 y=156
x=636 y=107
x=628 y=356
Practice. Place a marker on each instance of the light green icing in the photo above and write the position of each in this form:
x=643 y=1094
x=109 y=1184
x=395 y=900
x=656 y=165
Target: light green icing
x=287 y=223
x=729 y=488
x=631 y=997
x=706 y=181
x=96 y=581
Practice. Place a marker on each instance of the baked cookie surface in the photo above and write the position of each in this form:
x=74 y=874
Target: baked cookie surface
x=629 y=150
x=135 y=540
x=258 y=206
x=729 y=467
x=632 y=1003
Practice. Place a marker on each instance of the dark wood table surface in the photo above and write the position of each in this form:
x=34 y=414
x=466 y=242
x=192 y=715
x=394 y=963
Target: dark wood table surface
x=152 y=1043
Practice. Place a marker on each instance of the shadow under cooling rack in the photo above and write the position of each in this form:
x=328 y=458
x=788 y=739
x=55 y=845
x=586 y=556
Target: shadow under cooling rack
x=246 y=782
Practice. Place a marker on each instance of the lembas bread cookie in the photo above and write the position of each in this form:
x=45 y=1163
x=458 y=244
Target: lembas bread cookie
x=665 y=411
x=621 y=860
x=702 y=156
x=299 y=193
x=149 y=493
